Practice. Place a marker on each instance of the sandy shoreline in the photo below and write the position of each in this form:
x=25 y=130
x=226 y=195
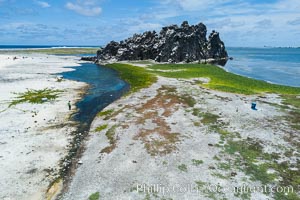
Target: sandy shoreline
x=152 y=144
x=34 y=137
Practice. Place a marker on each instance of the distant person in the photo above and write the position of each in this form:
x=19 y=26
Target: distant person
x=69 y=104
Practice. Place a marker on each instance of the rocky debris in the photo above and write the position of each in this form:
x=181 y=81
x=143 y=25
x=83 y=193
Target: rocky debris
x=172 y=44
x=89 y=58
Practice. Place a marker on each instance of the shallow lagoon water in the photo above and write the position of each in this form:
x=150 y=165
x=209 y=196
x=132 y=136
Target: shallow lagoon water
x=105 y=87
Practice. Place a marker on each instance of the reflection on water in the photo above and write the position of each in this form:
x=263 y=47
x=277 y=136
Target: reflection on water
x=276 y=65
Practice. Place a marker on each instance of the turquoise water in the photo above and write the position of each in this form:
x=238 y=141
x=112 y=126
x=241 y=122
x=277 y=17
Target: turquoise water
x=105 y=87
x=13 y=47
x=275 y=65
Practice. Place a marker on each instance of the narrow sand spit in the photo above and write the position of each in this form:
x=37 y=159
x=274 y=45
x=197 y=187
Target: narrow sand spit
x=168 y=142
x=33 y=137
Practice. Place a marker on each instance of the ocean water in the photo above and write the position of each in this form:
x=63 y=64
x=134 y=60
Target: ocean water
x=275 y=65
x=19 y=47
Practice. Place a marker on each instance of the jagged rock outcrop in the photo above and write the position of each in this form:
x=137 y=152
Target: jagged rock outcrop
x=89 y=58
x=173 y=44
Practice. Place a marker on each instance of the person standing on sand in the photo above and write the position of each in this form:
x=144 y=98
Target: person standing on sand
x=69 y=104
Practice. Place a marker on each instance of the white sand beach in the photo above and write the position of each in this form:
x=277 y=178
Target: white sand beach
x=154 y=146
x=169 y=141
x=149 y=100
x=33 y=137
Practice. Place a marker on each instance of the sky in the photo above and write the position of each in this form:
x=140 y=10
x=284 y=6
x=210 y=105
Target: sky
x=241 y=23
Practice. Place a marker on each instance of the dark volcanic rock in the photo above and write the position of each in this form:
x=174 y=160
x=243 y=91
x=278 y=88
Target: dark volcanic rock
x=215 y=47
x=173 y=44
x=89 y=58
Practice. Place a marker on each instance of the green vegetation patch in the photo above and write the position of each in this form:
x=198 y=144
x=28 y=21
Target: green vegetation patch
x=143 y=62
x=188 y=99
x=221 y=80
x=137 y=77
x=196 y=112
x=197 y=162
x=289 y=177
x=223 y=132
x=250 y=158
x=287 y=196
x=197 y=124
x=219 y=175
x=35 y=96
x=182 y=167
x=294 y=112
x=257 y=164
x=224 y=166
x=207 y=118
x=250 y=152
x=245 y=195
x=110 y=134
x=94 y=196
x=106 y=113
x=294 y=118
x=100 y=128
x=293 y=100
x=162 y=146
x=62 y=51
x=171 y=92
x=200 y=184
x=211 y=194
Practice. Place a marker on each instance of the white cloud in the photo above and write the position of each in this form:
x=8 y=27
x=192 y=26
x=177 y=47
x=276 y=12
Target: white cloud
x=142 y=26
x=294 y=22
x=227 y=8
x=43 y=4
x=256 y=21
x=264 y=24
x=2 y=1
x=196 y=5
x=86 y=8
